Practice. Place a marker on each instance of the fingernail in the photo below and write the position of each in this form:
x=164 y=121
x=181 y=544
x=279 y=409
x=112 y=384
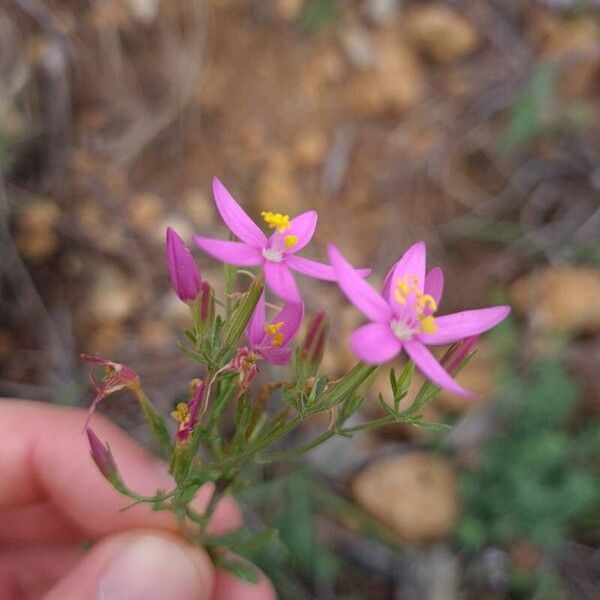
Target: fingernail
x=153 y=567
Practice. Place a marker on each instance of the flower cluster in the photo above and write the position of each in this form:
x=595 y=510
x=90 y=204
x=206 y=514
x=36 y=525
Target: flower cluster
x=220 y=426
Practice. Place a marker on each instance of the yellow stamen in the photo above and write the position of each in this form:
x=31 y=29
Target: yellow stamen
x=277 y=340
x=428 y=325
x=290 y=240
x=181 y=413
x=276 y=220
x=274 y=328
x=427 y=301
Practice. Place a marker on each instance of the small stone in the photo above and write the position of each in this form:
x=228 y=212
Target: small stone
x=36 y=236
x=359 y=47
x=560 y=299
x=310 y=148
x=144 y=11
x=394 y=84
x=415 y=494
x=288 y=10
x=441 y=33
x=113 y=296
x=145 y=211
x=106 y=338
x=175 y=312
x=154 y=334
x=381 y=12
x=180 y=224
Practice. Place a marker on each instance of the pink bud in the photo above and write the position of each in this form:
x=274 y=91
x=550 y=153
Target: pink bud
x=458 y=353
x=207 y=305
x=102 y=456
x=183 y=271
x=313 y=345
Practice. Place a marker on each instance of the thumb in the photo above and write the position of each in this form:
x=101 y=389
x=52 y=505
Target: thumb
x=148 y=565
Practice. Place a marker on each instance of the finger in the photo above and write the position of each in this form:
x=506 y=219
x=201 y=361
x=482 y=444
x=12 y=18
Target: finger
x=26 y=573
x=138 y=565
x=45 y=457
x=229 y=587
x=41 y=521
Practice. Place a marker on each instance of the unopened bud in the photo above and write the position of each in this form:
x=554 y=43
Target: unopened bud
x=207 y=307
x=103 y=457
x=458 y=353
x=183 y=271
x=313 y=345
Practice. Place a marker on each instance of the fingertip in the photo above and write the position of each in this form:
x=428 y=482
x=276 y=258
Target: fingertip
x=230 y=587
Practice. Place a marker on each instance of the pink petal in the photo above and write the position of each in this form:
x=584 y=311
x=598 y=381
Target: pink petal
x=277 y=356
x=458 y=326
x=233 y=253
x=255 y=331
x=434 y=284
x=235 y=217
x=291 y=315
x=432 y=369
x=375 y=343
x=315 y=269
x=303 y=226
x=309 y=267
x=411 y=263
x=358 y=291
x=281 y=281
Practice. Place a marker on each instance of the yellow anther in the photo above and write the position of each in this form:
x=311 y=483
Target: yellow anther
x=181 y=412
x=427 y=301
x=428 y=325
x=273 y=328
x=290 y=240
x=276 y=220
x=277 y=340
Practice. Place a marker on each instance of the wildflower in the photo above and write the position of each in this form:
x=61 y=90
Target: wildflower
x=271 y=340
x=183 y=271
x=244 y=362
x=403 y=315
x=276 y=254
x=116 y=377
x=102 y=456
x=186 y=414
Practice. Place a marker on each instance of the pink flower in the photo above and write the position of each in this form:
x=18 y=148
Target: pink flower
x=102 y=456
x=183 y=271
x=276 y=254
x=271 y=341
x=187 y=414
x=116 y=377
x=402 y=315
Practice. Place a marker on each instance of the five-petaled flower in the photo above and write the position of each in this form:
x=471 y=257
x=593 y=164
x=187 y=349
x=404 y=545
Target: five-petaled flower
x=183 y=271
x=276 y=254
x=402 y=315
x=271 y=341
x=115 y=377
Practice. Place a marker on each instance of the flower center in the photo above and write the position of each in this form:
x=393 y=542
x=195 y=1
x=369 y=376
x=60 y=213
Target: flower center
x=274 y=329
x=402 y=331
x=181 y=413
x=272 y=254
x=276 y=221
x=420 y=306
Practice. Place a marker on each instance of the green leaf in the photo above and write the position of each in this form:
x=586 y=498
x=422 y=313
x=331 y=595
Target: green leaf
x=235 y=326
x=431 y=426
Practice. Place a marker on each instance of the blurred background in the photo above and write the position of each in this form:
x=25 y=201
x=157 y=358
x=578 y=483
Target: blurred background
x=471 y=124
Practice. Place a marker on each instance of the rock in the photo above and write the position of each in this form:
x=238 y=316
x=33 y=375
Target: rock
x=288 y=10
x=145 y=212
x=310 y=148
x=441 y=33
x=155 y=334
x=576 y=45
x=560 y=299
x=144 y=11
x=381 y=12
x=36 y=236
x=175 y=312
x=477 y=376
x=393 y=85
x=180 y=224
x=113 y=295
x=358 y=47
x=415 y=494
x=106 y=338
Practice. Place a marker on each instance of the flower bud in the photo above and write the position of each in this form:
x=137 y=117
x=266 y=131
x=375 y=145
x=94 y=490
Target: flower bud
x=458 y=353
x=183 y=271
x=313 y=345
x=102 y=456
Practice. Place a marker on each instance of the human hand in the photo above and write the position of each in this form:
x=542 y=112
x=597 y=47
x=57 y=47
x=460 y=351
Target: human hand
x=53 y=500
